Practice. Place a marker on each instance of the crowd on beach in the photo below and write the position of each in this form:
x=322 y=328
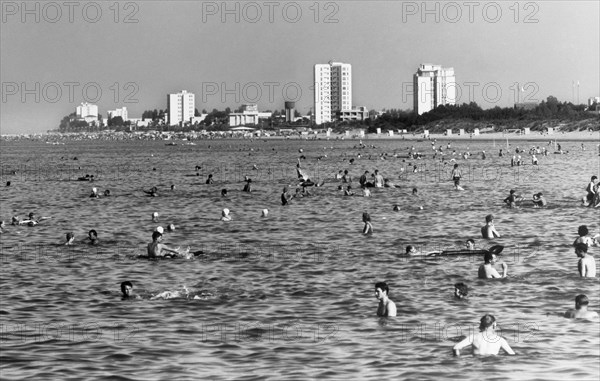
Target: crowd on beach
x=486 y=341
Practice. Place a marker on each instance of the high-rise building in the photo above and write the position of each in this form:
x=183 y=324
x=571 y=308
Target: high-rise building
x=333 y=90
x=433 y=86
x=122 y=112
x=87 y=111
x=181 y=107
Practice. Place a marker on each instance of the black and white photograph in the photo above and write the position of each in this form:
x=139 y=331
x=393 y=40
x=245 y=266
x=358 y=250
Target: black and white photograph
x=299 y=190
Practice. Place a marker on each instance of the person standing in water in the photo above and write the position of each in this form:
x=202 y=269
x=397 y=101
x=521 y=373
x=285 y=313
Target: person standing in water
x=581 y=309
x=486 y=341
x=368 y=228
x=386 y=307
x=456 y=176
x=488 y=231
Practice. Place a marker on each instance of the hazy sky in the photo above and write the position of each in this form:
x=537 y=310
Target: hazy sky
x=80 y=50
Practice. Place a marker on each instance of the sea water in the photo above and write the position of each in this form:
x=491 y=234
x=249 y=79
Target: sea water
x=290 y=296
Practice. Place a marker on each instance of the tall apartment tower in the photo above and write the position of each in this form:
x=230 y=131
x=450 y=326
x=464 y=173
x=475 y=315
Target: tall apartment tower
x=333 y=90
x=181 y=107
x=433 y=86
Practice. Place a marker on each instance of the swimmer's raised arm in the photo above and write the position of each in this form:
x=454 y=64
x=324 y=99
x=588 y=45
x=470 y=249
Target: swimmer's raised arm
x=506 y=347
x=465 y=343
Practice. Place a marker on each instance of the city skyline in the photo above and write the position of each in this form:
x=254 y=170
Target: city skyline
x=528 y=52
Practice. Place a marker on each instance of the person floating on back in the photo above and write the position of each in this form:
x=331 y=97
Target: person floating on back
x=386 y=307
x=486 y=341
x=581 y=309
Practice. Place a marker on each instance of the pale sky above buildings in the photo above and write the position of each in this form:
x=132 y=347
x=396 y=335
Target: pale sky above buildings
x=544 y=47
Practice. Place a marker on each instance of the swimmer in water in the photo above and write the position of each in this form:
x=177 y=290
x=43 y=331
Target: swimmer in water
x=586 y=265
x=265 y=213
x=155 y=217
x=209 y=180
x=396 y=208
x=487 y=270
x=70 y=239
x=461 y=290
x=171 y=228
x=95 y=193
x=225 y=215
x=470 y=244
x=157 y=250
x=378 y=179
x=107 y=193
x=539 y=201
x=581 y=309
x=127 y=289
x=386 y=307
x=32 y=221
x=486 y=341
x=366 y=192
x=512 y=199
x=415 y=192
x=488 y=231
x=585 y=238
x=411 y=250
x=248 y=186
x=368 y=228
x=348 y=191
x=93 y=237
x=346 y=178
x=223 y=192
x=153 y=192
x=285 y=196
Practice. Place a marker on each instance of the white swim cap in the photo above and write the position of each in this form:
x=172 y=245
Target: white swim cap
x=265 y=212
x=225 y=212
x=159 y=229
x=94 y=190
x=155 y=214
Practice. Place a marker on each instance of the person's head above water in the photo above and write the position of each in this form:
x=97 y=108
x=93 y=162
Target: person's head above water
x=126 y=288
x=414 y=191
x=486 y=322
x=461 y=290
x=154 y=216
x=171 y=227
x=583 y=230
x=265 y=212
x=225 y=212
x=470 y=244
x=581 y=301
x=410 y=249
x=489 y=257
x=489 y=218
x=156 y=236
x=383 y=287
x=223 y=192
x=455 y=165
x=159 y=229
x=70 y=237
x=31 y=216
x=93 y=234
x=512 y=191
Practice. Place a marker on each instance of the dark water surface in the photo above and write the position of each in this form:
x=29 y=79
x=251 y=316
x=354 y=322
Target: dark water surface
x=290 y=296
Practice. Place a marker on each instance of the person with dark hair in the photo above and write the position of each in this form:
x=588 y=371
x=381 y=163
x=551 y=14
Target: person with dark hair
x=470 y=244
x=456 y=176
x=461 y=290
x=248 y=186
x=587 y=264
x=583 y=232
x=411 y=250
x=156 y=249
x=386 y=307
x=591 y=191
x=486 y=341
x=285 y=196
x=368 y=228
x=93 y=237
x=539 y=200
x=223 y=192
x=581 y=309
x=70 y=239
x=489 y=231
x=127 y=289
x=487 y=270
x=209 y=180
x=512 y=199
x=348 y=191
x=153 y=192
